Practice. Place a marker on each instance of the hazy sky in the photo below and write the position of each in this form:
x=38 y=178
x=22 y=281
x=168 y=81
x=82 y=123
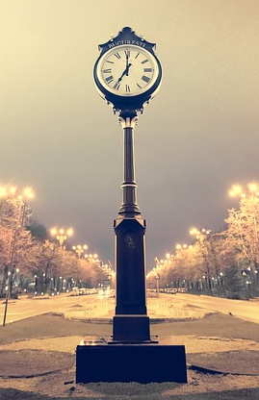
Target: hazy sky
x=197 y=137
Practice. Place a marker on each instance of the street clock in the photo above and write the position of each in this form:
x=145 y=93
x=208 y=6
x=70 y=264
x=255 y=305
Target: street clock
x=127 y=73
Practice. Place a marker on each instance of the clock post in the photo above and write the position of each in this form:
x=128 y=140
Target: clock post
x=127 y=74
x=131 y=323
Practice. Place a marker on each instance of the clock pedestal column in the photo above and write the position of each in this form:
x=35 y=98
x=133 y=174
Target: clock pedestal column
x=130 y=355
x=131 y=323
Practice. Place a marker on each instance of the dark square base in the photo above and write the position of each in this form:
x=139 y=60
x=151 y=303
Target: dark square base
x=142 y=363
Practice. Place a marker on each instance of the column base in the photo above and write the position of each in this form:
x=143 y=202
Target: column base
x=143 y=363
x=131 y=328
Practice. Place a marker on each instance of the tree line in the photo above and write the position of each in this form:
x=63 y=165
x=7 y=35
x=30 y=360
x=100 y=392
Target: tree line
x=32 y=262
x=223 y=263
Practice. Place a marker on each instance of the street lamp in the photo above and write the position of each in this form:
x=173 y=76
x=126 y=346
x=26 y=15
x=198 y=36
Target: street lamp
x=201 y=236
x=157 y=274
x=92 y=257
x=238 y=191
x=18 y=201
x=79 y=249
x=61 y=234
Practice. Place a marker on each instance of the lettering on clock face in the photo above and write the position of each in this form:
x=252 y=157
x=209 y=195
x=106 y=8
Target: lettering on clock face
x=127 y=70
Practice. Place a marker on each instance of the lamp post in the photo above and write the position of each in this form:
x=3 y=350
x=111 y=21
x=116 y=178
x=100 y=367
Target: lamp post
x=79 y=249
x=61 y=234
x=157 y=275
x=15 y=205
x=202 y=236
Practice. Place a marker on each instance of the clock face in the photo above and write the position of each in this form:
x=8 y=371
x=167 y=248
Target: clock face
x=127 y=70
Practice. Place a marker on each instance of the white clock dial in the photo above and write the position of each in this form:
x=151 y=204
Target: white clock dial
x=127 y=70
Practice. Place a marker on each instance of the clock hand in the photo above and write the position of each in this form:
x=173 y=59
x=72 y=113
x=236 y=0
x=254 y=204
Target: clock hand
x=125 y=72
x=128 y=67
x=122 y=75
x=127 y=58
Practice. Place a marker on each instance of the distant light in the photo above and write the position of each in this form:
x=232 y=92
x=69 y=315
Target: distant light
x=194 y=231
x=253 y=187
x=236 y=190
x=3 y=191
x=12 y=190
x=53 y=231
x=28 y=193
x=70 y=231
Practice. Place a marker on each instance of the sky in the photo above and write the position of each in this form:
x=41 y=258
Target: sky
x=196 y=138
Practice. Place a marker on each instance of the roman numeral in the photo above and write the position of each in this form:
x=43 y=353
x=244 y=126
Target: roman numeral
x=117 y=55
x=127 y=88
x=138 y=85
x=145 y=61
x=117 y=85
x=148 y=69
x=106 y=71
x=145 y=78
x=127 y=53
x=109 y=79
x=110 y=62
x=137 y=55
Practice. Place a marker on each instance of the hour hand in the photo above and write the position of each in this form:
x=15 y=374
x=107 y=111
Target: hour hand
x=125 y=72
x=127 y=69
x=117 y=83
x=122 y=75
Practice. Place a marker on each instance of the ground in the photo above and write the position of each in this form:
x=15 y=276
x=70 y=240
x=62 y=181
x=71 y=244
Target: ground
x=221 y=338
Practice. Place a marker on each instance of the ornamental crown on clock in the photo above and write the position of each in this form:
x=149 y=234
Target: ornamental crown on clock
x=127 y=70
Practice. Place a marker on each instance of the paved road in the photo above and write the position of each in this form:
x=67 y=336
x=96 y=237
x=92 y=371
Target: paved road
x=247 y=310
x=87 y=306
x=180 y=305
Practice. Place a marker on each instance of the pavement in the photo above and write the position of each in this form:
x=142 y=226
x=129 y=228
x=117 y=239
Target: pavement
x=174 y=306
x=37 y=348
